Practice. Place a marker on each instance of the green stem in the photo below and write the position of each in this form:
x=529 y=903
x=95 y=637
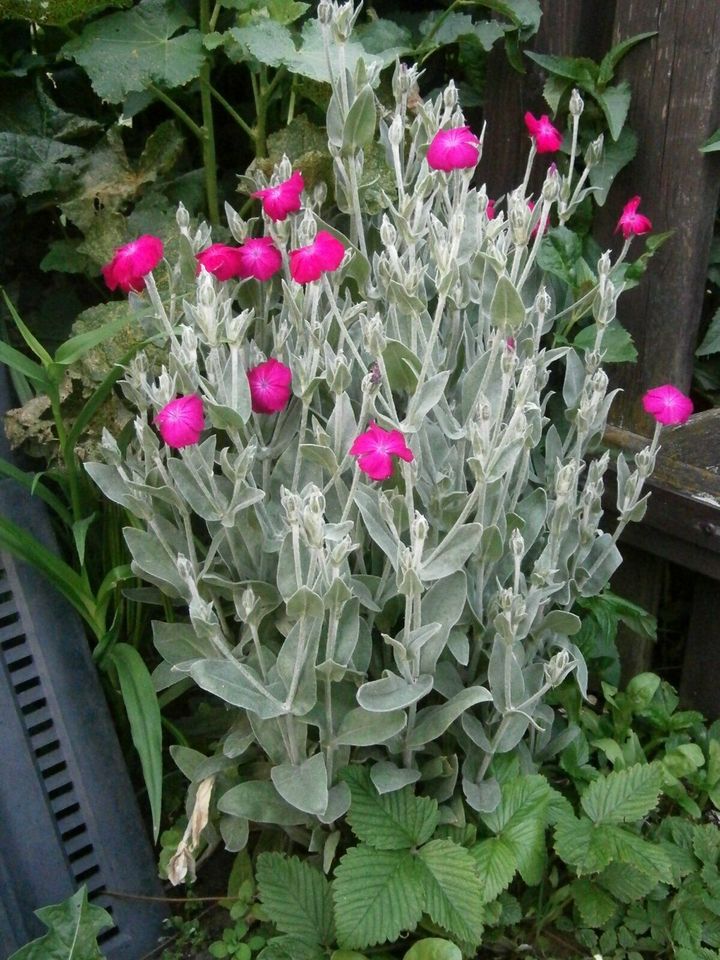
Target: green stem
x=233 y=113
x=175 y=108
x=208 y=129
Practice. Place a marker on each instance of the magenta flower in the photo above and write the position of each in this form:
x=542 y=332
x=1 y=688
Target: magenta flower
x=279 y=201
x=375 y=449
x=454 y=149
x=490 y=210
x=259 y=258
x=220 y=260
x=181 y=421
x=269 y=386
x=323 y=254
x=668 y=405
x=131 y=264
x=631 y=222
x=547 y=137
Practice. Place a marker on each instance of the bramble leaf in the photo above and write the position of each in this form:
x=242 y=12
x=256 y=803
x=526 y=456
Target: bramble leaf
x=623 y=795
x=391 y=821
x=453 y=891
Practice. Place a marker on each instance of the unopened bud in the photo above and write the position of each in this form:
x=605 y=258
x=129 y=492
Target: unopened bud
x=182 y=218
x=576 y=103
x=594 y=152
x=450 y=96
x=388 y=233
x=395 y=131
x=558 y=668
x=325 y=12
x=517 y=544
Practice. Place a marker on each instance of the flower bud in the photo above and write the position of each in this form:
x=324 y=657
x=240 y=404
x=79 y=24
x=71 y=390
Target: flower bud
x=292 y=505
x=325 y=12
x=395 y=131
x=182 y=217
x=576 y=103
x=341 y=551
x=543 y=303
x=388 y=233
x=373 y=335
x=419 y=528
x=558 y=668
x=319 y=193
x=551 y=186
x=517 y=544
x=248 y=602
x=307 y=229
x=450 y=96
x=594 y=152
x=604 y=265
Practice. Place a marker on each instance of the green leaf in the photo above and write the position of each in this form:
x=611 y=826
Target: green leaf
x=711 y=341
x=73 y=928
x=617 y=344
x=361 y=728
x=126 y=52
x=258 y=800
x=143 y=712
x=614 y=103
x=402 y=365
x=520 y=819
x=554 y=90
x=453 y=891
x=392 y=693
x=559 y=254
x=616 y=155
x=582 y=844
x=296 y=897
x=267 y=41
x=432 y=722
x=625 y=882
x=712 y=144
x=615 y=55
x=452 y=552
x=432 y=948
x=303 y=786
x=31 y=165
x=507 y=311
x=580 y=69
x=76 y=347
x=378 y=894
x=594 y=904
x=623 y=795
x=238 y=684
x=24 y=365
x=496 y=863
x=360 y=122
x=292 y=948
x=391 y=821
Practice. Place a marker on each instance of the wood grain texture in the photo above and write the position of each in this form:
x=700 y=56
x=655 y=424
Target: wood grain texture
x=675 y=81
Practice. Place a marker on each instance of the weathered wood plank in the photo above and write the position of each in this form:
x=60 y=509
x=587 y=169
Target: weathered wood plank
x=701 y=666
x=639 y=579
x=580 y=28
x=675 y=81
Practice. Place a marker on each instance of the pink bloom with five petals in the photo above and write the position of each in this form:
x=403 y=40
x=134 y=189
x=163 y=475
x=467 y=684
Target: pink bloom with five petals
x=668 y=405
x=547 y=137
x=632 y=223
x=131 y=263
x=325 y=253
x=454 y=149
x=279 y=201
x=220 y=260
x=259 y=258
x=375 y=449
x=269 y=386
x=181 y=421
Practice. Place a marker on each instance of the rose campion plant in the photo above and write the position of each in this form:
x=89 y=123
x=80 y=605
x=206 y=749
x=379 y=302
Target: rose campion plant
x=384 y=571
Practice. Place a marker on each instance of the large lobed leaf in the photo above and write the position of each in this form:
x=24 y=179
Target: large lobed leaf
x=126 y=52
x=73 y=927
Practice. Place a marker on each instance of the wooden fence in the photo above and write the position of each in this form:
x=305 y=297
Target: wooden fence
x=675 y=81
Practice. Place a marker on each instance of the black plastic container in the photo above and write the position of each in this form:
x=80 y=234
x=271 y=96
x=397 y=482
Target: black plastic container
x=67 y=809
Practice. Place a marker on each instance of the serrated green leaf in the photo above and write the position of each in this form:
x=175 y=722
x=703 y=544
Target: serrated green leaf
x=623 y=794
x=520 y=819
x=615 y=55
x=617 y=344
x=292 y=948
x=711 y=341
x=73 y=928
x=626 y=883
x=377 y=894
x=580 y=69
x=296 y=897
x=126 y=52
x=391 y=821
x=453 y=891
x=594 y=904
x=30 y=165
x=582 y=845
x=629 y=848
x=616 y=155
x=496 y=863
x=432 y=948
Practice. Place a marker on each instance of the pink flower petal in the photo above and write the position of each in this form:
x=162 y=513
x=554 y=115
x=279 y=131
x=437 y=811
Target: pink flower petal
x=454 y=149
x=547 y=138
x=668 y=405
x=259 y=258
x=282 y=199
x=181 y=421
x=132 y=262
x=220 y=260
x=270 y=389
x=324 y=254
x=632 y=223
x=377 y=465
x=375 y=449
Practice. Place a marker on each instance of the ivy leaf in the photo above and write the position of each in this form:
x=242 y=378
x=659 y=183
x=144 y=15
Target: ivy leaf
x=378 y=894
x=391 y=821
x=73 y=927
x=125 y=52
x=623 y=795
x=296 y=897
x=453 y=890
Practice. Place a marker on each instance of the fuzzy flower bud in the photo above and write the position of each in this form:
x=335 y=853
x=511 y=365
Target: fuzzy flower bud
x=551 y=186
x=388 y=233
x=182 y=218
x=517 y=544
x=558 y=667
x=373 y=335
x=395 y=131
x=576 y=103
x=450 y=96
x=325 y=12
x=594 y=152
